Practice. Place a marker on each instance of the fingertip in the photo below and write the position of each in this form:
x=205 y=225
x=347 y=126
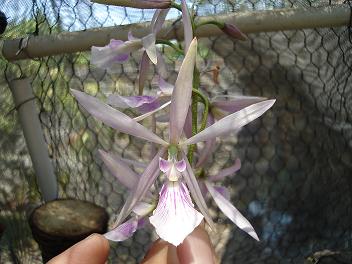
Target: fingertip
x=161 y=252
x=197 y=248
x=92 y=250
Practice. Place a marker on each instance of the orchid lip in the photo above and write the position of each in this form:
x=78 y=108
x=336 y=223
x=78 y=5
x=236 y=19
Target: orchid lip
x=175 y=217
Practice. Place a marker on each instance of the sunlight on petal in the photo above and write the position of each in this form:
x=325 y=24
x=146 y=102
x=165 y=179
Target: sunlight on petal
x=231 y=212
x=175 y=217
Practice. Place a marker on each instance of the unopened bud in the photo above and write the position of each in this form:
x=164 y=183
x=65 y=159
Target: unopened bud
x=233 y=31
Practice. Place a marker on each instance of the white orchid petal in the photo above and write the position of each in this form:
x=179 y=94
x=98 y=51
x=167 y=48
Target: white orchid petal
x=119 y=169
x=143 y=72
x=161 y=66
x=231 y=212
x=187 y=25
x=130 y=101
x=166 y=88
x=114 y=118
x=141 y=117
x=236 y=103
x=223 y=191
x=226 y=172
x=180 y=165
x=196 y=193
x=158 y=19
x=175 y=217
x=130 y=36
x=145 y=182
x=181 y=96
x=143 y=209
x=149 y=46
x=123 y=231
x=231 y=122
x=164 y=165
x=116 y=51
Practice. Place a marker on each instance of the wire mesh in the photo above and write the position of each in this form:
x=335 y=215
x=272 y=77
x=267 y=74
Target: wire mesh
x=294 y=185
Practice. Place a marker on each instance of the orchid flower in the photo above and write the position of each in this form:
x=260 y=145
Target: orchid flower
x=117 y=51
x=180 y=101
x=145 y=104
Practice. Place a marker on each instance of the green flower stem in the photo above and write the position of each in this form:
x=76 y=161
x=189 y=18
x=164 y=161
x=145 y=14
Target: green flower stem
x=175 y=5
x=194 y=109
x=210 y=22
x=205 y=101
x=170 y=44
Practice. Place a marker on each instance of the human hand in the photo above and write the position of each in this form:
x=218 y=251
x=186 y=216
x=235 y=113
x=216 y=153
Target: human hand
x=196 y=248
x=92 y=250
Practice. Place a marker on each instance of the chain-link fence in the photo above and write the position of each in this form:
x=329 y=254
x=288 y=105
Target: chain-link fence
x=295 y=182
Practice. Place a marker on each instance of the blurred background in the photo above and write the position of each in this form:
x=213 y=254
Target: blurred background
x=295 y=183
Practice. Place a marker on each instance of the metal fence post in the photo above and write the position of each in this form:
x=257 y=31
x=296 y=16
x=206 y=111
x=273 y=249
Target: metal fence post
x=22 y=93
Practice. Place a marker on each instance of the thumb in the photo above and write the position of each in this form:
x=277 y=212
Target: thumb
x=197 y=248
x=92 y=250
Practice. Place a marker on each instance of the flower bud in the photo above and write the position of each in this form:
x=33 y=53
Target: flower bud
x=233 y=31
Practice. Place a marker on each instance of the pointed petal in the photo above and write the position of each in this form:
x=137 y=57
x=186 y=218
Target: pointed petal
x=124 y=231
x=161 y=66
x=116 y=51
x=105 y=57
x=119 y=169
x=223 y=191
x=175 y=217
x=226 y=172
x=231 y=212
x=143 y=72
x=208 y=146
x=114 y=118
x=130 y=101
x=141 y=117
x=146 y=180
x=150 y=48
x=181 y=96
x=158 y=19
x=166 y=88
x=164 y=165
x=197 y=196
x=134 y=163
x=130 y=36
x=231 y=122
x=236 y=103
x=181 y=165
x=187 y=25
x=143 y=209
